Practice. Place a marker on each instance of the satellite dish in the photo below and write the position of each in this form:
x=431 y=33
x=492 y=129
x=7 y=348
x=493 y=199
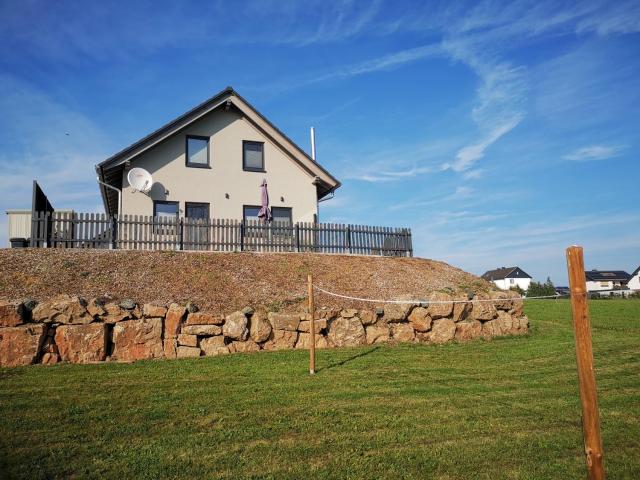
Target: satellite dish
x=140 y=179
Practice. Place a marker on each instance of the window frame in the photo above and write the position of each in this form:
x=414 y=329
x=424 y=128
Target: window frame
x=290 y=209
x=164 y=229
x=186 y=152
x=244 y=157
x=244 y=210
x=198 y=204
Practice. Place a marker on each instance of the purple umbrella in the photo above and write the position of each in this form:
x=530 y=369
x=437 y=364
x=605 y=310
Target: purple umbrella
x=265 y=213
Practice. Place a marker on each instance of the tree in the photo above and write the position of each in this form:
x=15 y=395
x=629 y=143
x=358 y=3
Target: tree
x=537 y=289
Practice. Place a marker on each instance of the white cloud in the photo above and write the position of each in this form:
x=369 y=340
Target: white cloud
x=469 y=155
x=594 y=152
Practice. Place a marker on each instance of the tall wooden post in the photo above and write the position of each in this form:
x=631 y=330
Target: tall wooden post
x=312 y=327
x=586 y=375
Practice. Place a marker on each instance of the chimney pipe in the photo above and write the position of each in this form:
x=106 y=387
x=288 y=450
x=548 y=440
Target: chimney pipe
x=313 y=144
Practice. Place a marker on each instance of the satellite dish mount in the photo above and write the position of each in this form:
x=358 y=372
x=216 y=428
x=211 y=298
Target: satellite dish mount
x=140 y=180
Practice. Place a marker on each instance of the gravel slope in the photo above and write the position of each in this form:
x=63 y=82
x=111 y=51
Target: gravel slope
x=223 y=282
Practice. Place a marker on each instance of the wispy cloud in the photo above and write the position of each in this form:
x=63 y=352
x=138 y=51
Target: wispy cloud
x=594 y=152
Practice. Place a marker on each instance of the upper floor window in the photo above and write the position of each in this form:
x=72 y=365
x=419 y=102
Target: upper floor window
x=197 y=151
x=253 y=156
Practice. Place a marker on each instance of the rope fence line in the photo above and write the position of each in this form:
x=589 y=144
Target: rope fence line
x=433 y=302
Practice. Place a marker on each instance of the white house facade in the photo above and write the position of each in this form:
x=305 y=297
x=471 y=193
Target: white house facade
x=601 y=280
x=634 y=282
x=506 y=278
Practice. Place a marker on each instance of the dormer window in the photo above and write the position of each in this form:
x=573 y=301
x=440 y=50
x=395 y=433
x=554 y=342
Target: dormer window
x=253 y=156
x=197 y=151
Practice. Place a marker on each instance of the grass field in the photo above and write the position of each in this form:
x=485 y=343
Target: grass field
x=508 y=408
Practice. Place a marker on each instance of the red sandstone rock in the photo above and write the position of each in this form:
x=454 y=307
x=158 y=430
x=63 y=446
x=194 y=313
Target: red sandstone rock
x=304 y=341
x=420 y=319
x=82 y=343
x=460 y=310
x=138 y=339
x=281 y=321
x=11 y=314
x=169 y=347
x=187 y=340
x=483 y=310
x=213 y=346
x=173 y=320
x=437 y=309
x=305 y=325
x=259 y=328
x=114 y=314
x=442 y=331
x=20 y=345
x=368 y=317
x=281 y=340
x=402 y=332
x=347 y=332
x=188 y=352
x=62 y=309
x=50 y=358
x=468 y=330
x=151 y=310
x=243 y=347
x=202 y=318
x=95 y=308
x=202 y=330
x=378 y=333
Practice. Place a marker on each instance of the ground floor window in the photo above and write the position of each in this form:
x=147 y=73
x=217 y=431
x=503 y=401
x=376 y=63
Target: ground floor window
x=197 y=210
x=165 y=216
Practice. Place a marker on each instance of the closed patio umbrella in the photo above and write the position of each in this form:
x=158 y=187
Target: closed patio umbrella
x=265 y=213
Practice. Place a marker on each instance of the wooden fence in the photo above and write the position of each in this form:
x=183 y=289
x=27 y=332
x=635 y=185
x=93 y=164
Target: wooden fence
x=139 y=232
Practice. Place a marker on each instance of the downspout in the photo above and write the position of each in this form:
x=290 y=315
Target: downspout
x=113 y=188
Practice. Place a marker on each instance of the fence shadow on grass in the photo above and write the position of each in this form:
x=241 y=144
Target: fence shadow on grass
x=347 y=360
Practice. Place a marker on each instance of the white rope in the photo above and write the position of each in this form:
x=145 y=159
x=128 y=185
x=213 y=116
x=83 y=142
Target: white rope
x=430 y=302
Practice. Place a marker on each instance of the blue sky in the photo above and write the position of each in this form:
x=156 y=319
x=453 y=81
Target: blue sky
x=499 y=132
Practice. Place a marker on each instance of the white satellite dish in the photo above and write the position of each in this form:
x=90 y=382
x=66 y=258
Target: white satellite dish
x=140 y=179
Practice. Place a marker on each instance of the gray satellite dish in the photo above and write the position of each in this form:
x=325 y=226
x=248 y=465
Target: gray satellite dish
x=140 y=180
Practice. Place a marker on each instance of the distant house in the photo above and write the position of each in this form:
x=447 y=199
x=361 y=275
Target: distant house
x=599 y=280
x=508 y=277
x=634 y=282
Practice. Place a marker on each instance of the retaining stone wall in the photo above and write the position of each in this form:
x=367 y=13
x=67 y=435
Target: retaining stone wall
x=71 y=329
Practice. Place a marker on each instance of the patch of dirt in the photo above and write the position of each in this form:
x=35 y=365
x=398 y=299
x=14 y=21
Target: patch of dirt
x=224 y=282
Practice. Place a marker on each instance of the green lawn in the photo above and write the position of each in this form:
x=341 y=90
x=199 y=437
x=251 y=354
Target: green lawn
x=502 y=409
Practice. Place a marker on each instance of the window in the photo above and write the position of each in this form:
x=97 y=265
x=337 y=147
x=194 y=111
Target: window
x=165 y=217
x=196 y=210
x=165 y=209
x=253 y=156
x=512 y=281
x=250 y=212
x=197 y=151
x=282 y=215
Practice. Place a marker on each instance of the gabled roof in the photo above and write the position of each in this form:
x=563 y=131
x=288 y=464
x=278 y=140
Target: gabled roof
x=505 y=272
x=110 y=170
x=607 y=275
x=635 y=272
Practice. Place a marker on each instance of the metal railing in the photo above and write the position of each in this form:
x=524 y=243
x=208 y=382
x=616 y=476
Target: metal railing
x=139 y=232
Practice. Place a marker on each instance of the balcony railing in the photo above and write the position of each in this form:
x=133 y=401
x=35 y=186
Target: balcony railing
x=138 y=232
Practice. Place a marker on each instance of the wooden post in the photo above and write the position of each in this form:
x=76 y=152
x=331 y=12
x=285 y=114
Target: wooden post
x=312 y=327
x=584 y=355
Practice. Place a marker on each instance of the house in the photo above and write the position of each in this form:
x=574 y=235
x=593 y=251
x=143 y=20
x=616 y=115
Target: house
x=508 y=277
x=599 y=280
x=210 y=163
x=634 y=281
